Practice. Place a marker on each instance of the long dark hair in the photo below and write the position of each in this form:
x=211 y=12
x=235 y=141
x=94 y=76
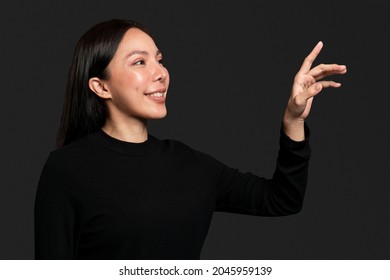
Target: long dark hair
x=83 y=111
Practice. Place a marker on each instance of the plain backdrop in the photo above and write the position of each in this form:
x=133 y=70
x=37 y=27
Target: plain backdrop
x=232 y=64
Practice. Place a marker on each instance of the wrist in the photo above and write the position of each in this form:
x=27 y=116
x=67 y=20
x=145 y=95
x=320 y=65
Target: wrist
x=294 y=128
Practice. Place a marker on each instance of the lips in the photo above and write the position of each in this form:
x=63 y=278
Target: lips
x=157 y=95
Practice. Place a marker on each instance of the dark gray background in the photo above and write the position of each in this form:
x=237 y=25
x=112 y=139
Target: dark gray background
x=232 y=64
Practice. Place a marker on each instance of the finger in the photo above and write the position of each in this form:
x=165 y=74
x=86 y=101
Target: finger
x=315 y=89
x=307 y=63
x=323 y=70
x=310 y=92
x=327 y=84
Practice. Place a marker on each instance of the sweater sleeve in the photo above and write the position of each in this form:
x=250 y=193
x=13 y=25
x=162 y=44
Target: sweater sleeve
x=283 y=194
x=55 y=212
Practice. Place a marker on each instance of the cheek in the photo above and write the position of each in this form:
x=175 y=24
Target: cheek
x=136 y=78
x=127 y=83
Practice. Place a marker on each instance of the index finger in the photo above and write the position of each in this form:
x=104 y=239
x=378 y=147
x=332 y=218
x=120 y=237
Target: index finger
x=306 y=65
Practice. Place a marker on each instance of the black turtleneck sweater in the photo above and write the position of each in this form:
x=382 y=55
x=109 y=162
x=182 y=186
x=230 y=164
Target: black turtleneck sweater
x=102 y=198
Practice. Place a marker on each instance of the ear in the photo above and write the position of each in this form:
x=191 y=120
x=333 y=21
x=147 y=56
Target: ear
x=98 y=86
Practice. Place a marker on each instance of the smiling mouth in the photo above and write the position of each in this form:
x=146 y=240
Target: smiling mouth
x=158 y=96
x=155 y=94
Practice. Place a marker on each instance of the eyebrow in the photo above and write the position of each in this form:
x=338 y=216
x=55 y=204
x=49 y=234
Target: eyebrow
x=158 y=52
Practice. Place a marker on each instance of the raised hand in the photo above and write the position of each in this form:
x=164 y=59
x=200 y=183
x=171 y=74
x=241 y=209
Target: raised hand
x=307 y=84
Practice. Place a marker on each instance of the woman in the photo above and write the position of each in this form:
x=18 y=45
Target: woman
x=112 y=191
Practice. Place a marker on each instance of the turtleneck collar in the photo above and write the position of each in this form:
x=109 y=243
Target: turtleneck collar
x=124 y=147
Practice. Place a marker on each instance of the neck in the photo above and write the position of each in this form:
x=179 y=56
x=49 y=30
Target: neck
x=134 y=131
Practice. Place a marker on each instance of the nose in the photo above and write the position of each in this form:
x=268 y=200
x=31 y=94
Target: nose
x=160 y=73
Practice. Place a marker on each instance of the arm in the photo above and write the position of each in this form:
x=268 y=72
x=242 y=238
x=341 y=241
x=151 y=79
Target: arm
x=284 y=193
x=247 y=193
x=55 y=209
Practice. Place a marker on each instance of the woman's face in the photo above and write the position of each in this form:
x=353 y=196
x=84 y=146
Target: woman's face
x=138 y=82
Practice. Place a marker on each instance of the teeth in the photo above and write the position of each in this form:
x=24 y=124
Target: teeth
x=157 y=94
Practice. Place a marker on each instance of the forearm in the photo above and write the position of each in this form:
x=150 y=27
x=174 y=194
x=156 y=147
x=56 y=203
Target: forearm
x=291 y=174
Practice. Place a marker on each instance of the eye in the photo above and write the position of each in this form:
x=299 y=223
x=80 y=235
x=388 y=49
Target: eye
x=161 y=61
x=139 y=62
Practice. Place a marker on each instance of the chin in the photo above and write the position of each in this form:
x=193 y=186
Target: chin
x=158 y=115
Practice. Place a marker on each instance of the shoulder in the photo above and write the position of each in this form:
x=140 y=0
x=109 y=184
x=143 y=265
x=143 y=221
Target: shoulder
x=175 y=144
x=65 y=157
x=184 y=150
x=177 y=147
x=60 y=171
